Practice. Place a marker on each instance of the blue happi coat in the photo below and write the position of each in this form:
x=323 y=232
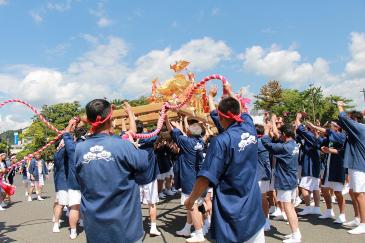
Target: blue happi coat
x=231 y=167
x=355 y=143
x=106 y=167
x=189 y=160
x=311 y=164
x=336 y=171
x=286 y=155
x=60 y=170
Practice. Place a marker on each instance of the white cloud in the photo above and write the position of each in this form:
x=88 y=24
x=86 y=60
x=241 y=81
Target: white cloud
x=204 y=53
x=8 y=122
x=60 y=7
x=100 y=13
x=287 y=66
x=36 y=16
x=101 y=72
x=356 y=66
x=104 y=22
x=3 y=2
x=39 y=13
x=215 y=12
x=276 y=63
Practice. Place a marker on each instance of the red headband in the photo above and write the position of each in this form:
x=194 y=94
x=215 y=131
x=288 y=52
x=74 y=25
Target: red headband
x=230 y=116
x=98 y=122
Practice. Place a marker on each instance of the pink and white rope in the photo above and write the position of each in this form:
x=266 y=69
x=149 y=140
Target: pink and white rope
x=166 y=106
x=43 y=119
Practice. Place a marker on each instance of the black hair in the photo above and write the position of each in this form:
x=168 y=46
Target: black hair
x=229 y=104
x=260 y=129
x=356 y=115
x=139 y=126
x=192 y=121
x=80 y=132
x=288 y=131
x=97 y=107
x=204 y=131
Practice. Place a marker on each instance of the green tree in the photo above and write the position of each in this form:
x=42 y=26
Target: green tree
x=274 y=99
x=270 y=95
x=38 y=134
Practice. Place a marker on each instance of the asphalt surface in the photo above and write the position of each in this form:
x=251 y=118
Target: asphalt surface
x=31 y=222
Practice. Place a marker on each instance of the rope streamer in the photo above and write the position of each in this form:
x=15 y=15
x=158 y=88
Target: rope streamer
x=166 y=106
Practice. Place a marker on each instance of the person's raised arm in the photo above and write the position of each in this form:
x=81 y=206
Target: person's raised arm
x=228 y=89
x=318 y=128
x=341 y=106
x=212 y=94
x=168 y=124
x=186 y=123
x=132 y=118
x=124 y=127
x=274 y=128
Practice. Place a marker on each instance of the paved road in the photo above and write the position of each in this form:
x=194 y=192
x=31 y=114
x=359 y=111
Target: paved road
x=31 y=222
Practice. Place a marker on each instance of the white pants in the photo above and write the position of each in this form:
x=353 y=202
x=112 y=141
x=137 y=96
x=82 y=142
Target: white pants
x=149 y=193
x=74 y=197
x=264 y=186
x=259 y=237
x=309 y=183
x=357 y=180
x=286 y=196
x=62 y=197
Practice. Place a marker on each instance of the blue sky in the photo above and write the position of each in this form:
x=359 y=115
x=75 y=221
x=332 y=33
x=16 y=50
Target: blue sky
x=79 y=50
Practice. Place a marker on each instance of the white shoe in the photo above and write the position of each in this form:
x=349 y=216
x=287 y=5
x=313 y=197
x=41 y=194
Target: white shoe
x=73 y=236
x=2 y=209
x=184 y=232
x=3 y=204
x=26 y=194
x=276 y=213
x=196 y=238
x=282 y=217
x=56 y=228
x=267 y=226
x=292 y=239
x=334 y=200
x=316 y=210
x=358 y=230
x=328 y=214
x=341 y=219
x=307 y=210
x=354 y=223
x=169 y=193
x=288 y=236
x=39 y=198
x=162 y=195
x=155 y=232
x=29 y=198
x=272 y=209
x=297 y=201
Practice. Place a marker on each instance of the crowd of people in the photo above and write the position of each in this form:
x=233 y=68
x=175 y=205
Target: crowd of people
x=232 y=177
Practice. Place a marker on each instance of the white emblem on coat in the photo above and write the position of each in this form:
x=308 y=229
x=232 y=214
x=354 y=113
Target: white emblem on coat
x=97 y=153
x=246 y=139
x=296 y=151
x=198 y=147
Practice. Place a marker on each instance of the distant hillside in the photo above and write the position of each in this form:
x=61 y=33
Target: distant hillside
x=10 y=135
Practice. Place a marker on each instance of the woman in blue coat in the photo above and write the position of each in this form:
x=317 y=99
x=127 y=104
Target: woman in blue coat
x=335 y=172
x=38 y=173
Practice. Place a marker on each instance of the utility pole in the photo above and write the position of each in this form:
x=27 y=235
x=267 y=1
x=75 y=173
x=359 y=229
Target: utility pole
x=363 y=91
x=311 y=88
